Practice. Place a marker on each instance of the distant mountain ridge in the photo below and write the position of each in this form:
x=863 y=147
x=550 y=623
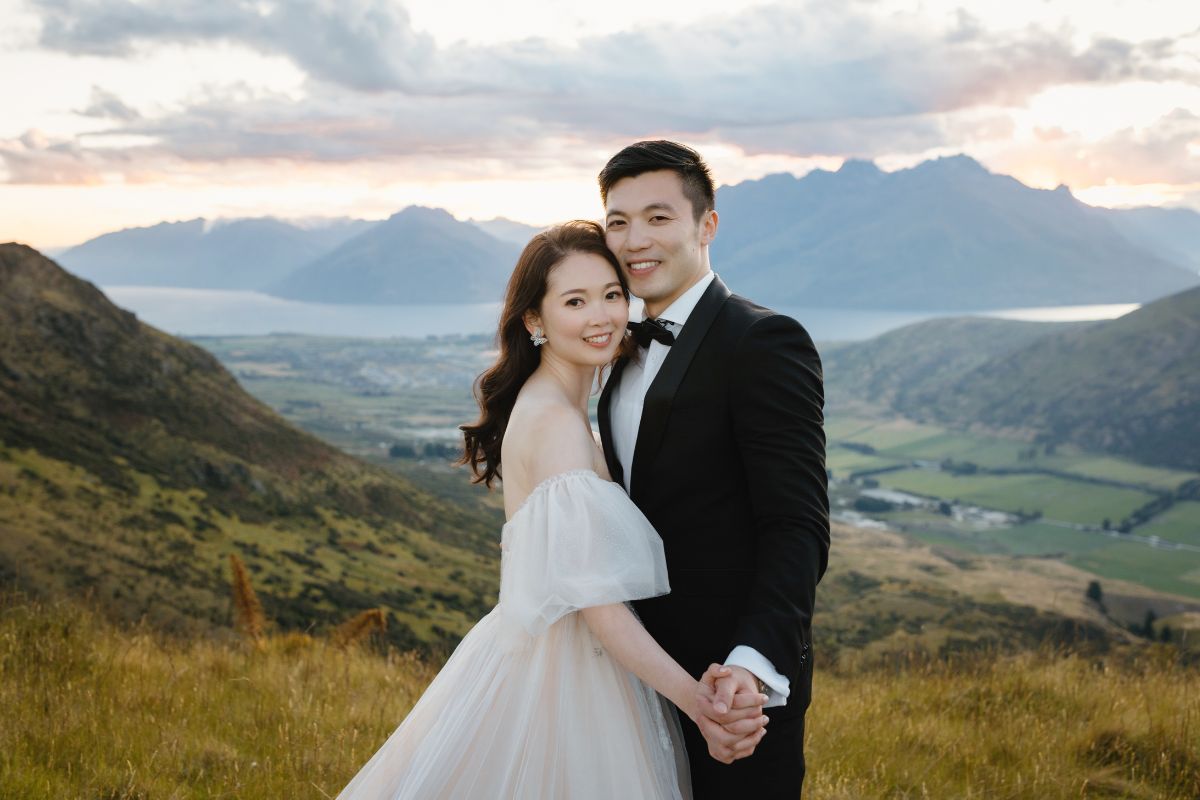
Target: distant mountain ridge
x=1127 y=386
x=944 y=235
x=419 y=255
x=235 y=254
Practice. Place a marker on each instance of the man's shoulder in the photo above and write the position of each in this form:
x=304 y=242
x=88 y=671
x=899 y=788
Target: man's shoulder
x=743 y=314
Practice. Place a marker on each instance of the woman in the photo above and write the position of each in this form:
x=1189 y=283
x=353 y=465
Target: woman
x=553 y=693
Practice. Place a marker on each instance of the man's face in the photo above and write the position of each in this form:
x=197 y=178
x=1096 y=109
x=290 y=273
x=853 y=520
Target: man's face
x=650 y=227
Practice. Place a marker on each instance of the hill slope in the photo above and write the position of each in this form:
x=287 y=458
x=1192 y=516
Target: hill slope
x=946 y=234
x=1127 y=386
x=889 y=368
x=419 y=255
x=133 y=462
x=1173 y=233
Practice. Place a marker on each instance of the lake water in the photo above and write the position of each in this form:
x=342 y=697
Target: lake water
x=215 y=312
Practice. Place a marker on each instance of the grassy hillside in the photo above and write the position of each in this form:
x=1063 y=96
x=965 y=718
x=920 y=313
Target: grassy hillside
x=1127 y=386
x=887 y=370
x=133 y=462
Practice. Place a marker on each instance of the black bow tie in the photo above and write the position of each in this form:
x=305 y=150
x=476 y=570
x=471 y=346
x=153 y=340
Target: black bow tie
x=652 y=330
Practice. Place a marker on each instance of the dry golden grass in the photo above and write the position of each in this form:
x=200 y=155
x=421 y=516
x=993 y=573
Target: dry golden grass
x=1036 y=725
x=91 y=711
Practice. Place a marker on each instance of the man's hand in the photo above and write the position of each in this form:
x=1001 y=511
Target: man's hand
x=730 y=718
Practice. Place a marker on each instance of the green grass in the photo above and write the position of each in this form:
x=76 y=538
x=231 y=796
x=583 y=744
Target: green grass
x=1173 y=571
x=1180 y=523
x=844 y=461
x=1056 y=498
x=894 y=434
x=1032 y=539
x=980 y=450
x=1091 y=465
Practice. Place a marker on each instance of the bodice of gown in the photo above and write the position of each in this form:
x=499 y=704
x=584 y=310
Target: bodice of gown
x=576 y=541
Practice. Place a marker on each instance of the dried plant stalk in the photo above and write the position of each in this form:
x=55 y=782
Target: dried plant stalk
x=359 y=626
x=248 y=611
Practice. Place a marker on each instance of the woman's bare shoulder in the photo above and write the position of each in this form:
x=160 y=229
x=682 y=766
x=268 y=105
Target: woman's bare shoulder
x=546 y=436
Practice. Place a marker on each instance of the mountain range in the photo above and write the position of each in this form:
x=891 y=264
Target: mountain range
x=236 y=254
x=1127 y=386
x=132 y=464
x=420 y=255
x=943 y=235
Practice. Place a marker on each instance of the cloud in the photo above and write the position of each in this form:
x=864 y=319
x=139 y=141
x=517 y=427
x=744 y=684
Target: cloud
x=1166 y=152
x=106 y=105
x=367 y=45
x=825 y=78
x=36 y=158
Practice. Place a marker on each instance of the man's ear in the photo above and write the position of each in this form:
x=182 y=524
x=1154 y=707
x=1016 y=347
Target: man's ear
x=708 y=226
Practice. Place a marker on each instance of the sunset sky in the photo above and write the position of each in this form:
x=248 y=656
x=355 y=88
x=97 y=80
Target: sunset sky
x=116 y=113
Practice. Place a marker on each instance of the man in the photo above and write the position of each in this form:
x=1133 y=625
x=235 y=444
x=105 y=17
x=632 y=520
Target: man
x=715 y=430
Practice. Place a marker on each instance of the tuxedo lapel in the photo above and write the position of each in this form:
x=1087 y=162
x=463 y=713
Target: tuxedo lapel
x=659 y=396
x=602 y=415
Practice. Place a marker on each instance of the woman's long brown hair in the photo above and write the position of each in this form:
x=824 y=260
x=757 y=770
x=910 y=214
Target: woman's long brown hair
x=496 y=389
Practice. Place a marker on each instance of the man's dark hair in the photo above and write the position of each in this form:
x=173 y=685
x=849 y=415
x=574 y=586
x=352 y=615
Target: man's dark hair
x=661 y=154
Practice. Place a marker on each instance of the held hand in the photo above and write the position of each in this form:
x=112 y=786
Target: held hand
x=736 y=732
x=727 y=682
x=743 y=705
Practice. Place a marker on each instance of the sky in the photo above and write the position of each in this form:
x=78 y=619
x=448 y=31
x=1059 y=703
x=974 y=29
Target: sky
x=121 y=113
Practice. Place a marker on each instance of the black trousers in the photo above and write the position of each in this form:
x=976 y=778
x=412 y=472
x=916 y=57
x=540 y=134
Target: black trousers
x=774 y=772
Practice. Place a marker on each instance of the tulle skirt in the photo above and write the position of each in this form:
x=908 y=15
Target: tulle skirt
x=519 y=716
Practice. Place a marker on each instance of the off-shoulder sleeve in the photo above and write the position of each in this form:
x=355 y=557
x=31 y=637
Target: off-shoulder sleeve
x=578 y=541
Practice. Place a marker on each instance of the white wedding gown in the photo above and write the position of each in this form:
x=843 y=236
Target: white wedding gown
x=530 y=705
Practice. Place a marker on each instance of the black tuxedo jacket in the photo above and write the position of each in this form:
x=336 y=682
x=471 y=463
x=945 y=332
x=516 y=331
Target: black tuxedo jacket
x=729 y=467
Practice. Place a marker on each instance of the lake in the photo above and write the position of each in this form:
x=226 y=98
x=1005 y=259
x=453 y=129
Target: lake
x=216 y=312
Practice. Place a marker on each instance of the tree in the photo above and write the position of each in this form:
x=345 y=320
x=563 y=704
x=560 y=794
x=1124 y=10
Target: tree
x=1095 y=593
x=1148 y=625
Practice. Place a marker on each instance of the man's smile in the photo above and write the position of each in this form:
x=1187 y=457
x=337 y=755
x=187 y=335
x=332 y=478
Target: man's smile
x=642 y=267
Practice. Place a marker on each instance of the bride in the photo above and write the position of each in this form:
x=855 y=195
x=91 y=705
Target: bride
x=558 y=692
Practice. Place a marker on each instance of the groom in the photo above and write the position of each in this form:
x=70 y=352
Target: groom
x=715 y=429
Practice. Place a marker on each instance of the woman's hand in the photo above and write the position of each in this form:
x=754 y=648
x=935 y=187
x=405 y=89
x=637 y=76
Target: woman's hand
x=734 y=733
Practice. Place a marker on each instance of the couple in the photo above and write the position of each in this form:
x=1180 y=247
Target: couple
x=703 y=505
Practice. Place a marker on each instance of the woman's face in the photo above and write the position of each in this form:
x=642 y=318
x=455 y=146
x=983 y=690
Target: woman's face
x=584 y=311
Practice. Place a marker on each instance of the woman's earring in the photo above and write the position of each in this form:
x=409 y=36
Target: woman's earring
x=537 y=338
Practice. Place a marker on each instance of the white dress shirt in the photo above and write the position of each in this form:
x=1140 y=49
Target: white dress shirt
x=625 y=416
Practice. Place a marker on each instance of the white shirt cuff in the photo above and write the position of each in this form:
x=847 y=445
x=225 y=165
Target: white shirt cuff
x=778 y=686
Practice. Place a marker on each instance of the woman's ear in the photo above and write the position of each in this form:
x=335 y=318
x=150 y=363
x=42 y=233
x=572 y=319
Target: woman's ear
x=532 y=320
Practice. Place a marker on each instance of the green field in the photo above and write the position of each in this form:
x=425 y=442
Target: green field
x=1175 y=571
x=1090 y=465
x=1056 y=498
x=1180 y=523
x=1065 y=485
x=844 y=461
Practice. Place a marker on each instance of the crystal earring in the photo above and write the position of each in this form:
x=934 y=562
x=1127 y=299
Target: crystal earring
x=537 y=338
